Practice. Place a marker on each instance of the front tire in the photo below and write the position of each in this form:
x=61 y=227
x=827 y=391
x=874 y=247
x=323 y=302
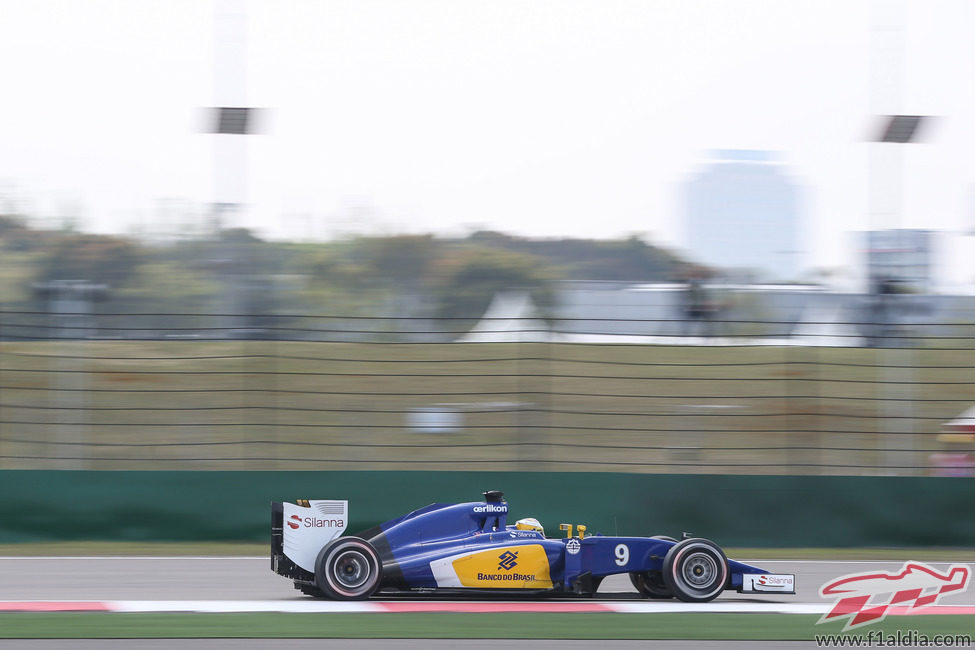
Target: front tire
x=696 y=570
x=651 y=583
x=348 y=568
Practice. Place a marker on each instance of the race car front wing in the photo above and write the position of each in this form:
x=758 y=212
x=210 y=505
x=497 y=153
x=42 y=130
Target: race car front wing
x=768 y=583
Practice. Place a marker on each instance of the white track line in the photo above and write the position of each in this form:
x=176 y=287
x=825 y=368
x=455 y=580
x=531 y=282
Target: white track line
x=231 y=606
x=366 y=607
x=718 y=608
x=375 y=607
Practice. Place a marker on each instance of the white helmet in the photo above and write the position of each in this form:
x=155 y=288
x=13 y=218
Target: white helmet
x=529 y=523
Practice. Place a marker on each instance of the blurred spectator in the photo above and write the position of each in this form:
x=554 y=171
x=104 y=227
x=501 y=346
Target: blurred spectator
x=699 y=308
x=880 y=305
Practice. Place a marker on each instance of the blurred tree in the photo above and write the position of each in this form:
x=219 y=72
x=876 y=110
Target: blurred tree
x=401 y=259
x=470 y=279
x=166 y=286
x=405 y=275
x=363 y=274
x=629 y=259
x=16 y=235
x=9 y=224
x=336 y=268
x=239 y=236
x=95 y=258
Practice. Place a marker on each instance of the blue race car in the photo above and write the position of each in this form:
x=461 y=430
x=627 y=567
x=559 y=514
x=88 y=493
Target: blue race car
x=470 y=546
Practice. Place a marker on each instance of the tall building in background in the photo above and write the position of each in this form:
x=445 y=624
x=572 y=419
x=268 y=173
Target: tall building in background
x=741 y=211
x=902 y=256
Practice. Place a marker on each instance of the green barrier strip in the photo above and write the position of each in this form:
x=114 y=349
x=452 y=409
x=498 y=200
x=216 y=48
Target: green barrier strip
x=757 y=511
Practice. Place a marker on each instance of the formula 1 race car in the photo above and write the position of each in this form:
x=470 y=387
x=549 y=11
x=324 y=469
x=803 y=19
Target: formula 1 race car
x=470 y=546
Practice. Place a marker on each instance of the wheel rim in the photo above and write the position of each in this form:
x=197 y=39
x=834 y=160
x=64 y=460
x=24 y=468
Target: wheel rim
x=351 y=569
x=699 y=570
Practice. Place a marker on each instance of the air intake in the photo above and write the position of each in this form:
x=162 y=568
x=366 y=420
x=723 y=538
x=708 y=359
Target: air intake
x=494 y=496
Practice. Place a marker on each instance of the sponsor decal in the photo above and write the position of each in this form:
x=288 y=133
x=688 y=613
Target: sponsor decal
x=295 y=522
x=573 y=546
x=315 y=522
x=506 y=576
x=524 y=566
x=769 y=582
x=491 y=508
x=863 y=598
x=508 y=560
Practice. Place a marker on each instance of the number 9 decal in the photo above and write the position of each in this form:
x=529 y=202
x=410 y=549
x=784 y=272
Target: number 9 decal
x=622 y=554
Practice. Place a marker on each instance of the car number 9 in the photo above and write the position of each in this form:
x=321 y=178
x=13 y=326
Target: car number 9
x=622 y=553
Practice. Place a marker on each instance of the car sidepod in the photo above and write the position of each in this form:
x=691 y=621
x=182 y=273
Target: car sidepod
x=483 y=561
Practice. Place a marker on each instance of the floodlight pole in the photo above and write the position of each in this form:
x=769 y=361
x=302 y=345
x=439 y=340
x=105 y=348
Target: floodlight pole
x=886 y=192
x=231 y=120
x=230 y=117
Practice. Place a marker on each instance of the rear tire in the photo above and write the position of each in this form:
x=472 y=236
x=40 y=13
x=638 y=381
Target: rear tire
x=696 y=570
x=348 y=568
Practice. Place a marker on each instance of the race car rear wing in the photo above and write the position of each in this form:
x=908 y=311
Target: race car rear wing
x=299 y=531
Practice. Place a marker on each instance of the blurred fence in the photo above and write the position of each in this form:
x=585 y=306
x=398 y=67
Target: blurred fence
x=169 y=391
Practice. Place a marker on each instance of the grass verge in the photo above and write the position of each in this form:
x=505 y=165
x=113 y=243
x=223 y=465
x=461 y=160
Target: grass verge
x=756 y=627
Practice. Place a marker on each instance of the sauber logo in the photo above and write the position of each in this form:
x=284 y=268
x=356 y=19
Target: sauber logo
x=508 y=560
x=294 y=521
x=865 y=597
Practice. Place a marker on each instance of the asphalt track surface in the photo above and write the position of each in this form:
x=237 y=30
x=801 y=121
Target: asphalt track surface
x=251 y=579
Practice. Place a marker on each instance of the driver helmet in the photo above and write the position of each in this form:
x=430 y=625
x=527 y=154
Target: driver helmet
x=529 y=523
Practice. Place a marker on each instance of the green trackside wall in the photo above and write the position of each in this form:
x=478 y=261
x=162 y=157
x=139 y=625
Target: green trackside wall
x=41 y=505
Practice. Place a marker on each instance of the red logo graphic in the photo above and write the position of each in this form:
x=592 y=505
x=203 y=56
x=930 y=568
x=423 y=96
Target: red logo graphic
x=295 y=523
x=865 y=597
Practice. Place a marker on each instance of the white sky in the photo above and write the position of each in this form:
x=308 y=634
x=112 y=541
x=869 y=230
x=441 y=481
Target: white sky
x=540 y=118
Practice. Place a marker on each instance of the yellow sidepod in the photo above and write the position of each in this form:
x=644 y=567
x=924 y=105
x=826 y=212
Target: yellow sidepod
x=511 y=567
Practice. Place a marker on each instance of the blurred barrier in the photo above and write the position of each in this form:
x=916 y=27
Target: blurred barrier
x=205 y=400
x=760 y=511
